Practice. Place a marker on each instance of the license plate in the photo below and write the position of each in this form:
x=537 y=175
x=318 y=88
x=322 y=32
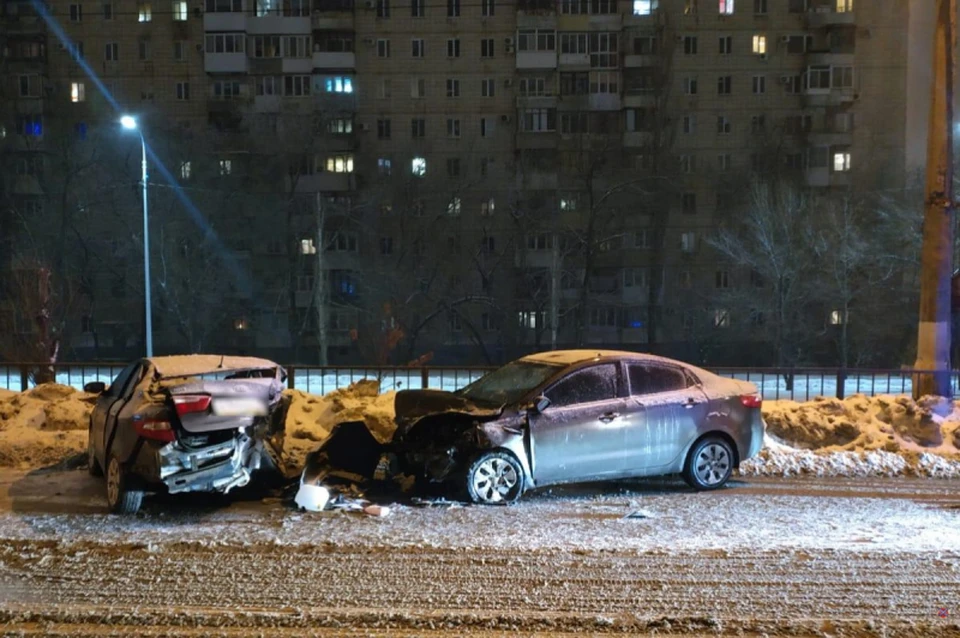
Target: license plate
x=239 y=407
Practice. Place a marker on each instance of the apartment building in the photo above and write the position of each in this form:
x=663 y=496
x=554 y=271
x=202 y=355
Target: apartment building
x=477 y=160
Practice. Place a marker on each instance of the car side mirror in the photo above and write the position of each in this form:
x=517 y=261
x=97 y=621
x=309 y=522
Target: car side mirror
x=95 y=387
x=541 y=404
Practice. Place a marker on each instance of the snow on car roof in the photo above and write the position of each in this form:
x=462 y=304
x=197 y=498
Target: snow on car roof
x=190 y=364
x=570 y=357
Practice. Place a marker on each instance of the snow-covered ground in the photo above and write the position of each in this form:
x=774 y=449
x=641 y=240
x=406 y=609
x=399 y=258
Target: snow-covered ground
x=775 y=557
x=806 y=385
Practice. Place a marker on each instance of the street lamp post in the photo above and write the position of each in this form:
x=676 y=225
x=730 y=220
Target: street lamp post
x=130 y=123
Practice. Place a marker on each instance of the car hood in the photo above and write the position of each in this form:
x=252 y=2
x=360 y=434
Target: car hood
x=412 y=405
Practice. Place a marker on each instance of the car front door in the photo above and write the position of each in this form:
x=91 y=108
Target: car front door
x=580 y=435
x=124 y=392
x=666 y=407
x=107 y=404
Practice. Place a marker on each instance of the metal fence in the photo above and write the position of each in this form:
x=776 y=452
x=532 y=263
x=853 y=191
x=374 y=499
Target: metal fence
x=800 y=384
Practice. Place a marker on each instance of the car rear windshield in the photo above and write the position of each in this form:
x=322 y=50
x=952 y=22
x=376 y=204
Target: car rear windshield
x=508 y=384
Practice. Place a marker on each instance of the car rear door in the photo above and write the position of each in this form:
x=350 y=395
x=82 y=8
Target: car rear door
x=666 y=406
x=580 y=435
x=107 y=405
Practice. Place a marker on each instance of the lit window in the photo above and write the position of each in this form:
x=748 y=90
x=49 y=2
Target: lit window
x=841 y=162
x=418 y=166
x=488 y=207
x=453 y=208
x=339 y=84
x=721 y=318
x=180 y=10
x=644 y=7
x=527 y=319
x=144 y=14
x=568 y=203
x=307 y=247
x=688 y=242
x=240 y=324
x=844 y=6
x=77 y=92
x=226 y=166
x=726 y=7
x=185 y=170
x=838 y=317
x=384 y=166
x=760 y=44
x=340 y=164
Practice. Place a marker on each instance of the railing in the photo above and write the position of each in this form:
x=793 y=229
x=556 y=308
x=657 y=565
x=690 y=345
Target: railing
x=799 y=384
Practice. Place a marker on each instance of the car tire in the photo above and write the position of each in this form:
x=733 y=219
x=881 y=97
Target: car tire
x=121 y=498
x=494 y=478
x=93 y=467
x=709 y=464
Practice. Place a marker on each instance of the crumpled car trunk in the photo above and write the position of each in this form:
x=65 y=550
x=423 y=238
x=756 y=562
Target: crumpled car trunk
x=226 y=430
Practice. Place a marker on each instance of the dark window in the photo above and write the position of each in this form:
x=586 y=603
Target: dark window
x=651 y=379
x=596 y=383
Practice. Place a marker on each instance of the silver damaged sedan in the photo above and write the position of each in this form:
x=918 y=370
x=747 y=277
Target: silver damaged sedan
x=565 y=417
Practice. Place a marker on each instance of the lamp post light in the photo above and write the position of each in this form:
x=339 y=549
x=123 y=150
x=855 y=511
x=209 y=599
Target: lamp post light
x=130 y=123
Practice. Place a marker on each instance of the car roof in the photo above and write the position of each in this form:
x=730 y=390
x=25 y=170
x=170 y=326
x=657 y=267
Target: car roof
x=573 y=357
x=190 y=364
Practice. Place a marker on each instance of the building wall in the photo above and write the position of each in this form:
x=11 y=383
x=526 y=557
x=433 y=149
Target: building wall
x=753 y=102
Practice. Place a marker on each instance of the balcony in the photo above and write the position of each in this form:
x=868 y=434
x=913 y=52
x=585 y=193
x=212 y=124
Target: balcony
x=637 y=139
x=300 y=66
x=575 y=60
x=640 y=100
x=604 y=102
x=824 y=178
x=325 y=182
x=828 y=137
x=825 y=14
x=529 y=20
x=640 y=61
x=340 y=20
x=334 y=60
x=225 y=62
x=536 y=101
x=537 y=180
x=227 y=21
x=829 y=97
x=283 y=25
x=528 y=259
x=527 y=140
x=830 y=59
x=536 y=59
x=606 y=22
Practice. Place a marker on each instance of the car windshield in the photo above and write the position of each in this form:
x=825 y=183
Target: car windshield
x=509 y=383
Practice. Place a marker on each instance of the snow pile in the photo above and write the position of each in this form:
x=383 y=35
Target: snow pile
x=860 y=436
x=43 y=425
x=311 y=418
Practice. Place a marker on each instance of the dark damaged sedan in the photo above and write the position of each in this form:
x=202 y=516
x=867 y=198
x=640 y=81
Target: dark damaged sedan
x=563 y=417
x=185 y=424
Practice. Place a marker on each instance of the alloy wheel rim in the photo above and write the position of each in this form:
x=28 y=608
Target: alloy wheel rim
x=494 y=480
x=713 y=464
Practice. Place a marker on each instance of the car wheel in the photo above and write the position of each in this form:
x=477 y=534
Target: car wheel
x=709 y=464
x=494 y=478
x=93 y=467
x=121 y=499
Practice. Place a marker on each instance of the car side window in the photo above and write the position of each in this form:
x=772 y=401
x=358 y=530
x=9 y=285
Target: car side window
x=651 y=379
x=596 y=383
x=120 y=382
x=132 y=382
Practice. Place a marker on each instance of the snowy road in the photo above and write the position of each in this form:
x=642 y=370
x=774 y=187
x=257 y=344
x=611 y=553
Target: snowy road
x=776 y=557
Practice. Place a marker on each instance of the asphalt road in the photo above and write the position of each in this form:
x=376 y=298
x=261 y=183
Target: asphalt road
x=799 y=557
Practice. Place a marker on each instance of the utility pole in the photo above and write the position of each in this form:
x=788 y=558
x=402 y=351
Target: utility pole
x=933 y=338
x=320 y=293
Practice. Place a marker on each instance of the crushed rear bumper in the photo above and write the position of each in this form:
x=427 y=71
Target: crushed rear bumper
x=215 y=468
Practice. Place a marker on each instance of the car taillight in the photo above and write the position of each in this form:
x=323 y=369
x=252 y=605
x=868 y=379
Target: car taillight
x=751 y=400
x=191 y=403
x=155 y=429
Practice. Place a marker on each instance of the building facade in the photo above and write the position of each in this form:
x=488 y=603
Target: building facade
x=487 y=177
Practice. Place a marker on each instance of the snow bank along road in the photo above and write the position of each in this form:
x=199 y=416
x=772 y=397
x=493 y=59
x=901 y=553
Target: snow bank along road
x=838 y=557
